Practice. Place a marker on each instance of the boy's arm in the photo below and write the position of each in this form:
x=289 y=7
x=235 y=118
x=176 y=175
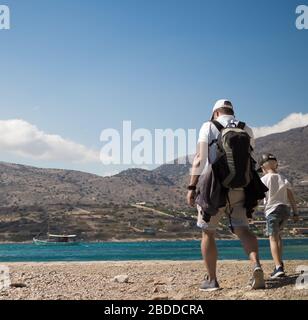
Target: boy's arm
x=292 y=202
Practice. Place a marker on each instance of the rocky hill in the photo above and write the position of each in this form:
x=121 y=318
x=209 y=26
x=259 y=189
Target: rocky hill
x=291 y=148
x=27 y=194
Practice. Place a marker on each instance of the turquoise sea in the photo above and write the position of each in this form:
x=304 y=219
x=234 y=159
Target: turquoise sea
x=295 y=249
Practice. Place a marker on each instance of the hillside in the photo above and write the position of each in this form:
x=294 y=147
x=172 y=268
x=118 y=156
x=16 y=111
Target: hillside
x=96 y=208
x=26 y=186
x=291 y=149
x=100 y=207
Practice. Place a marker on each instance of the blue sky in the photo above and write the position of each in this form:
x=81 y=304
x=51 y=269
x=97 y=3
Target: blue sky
x=73 y=68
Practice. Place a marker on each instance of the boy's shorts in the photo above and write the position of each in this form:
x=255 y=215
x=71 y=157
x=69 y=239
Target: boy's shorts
x=238 y=216
x=277 y=219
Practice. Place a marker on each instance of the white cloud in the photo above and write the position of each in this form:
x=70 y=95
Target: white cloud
x=294 y=120
x=23 y=139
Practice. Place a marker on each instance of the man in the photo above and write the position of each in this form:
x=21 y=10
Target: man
x=206 y=154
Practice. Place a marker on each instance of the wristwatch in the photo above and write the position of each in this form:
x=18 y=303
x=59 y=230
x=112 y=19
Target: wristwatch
x=192 y=188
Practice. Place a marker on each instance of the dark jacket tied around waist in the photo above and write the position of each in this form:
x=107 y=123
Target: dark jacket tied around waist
x=212 y=196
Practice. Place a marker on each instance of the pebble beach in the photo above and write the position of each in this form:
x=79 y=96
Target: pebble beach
x=144 y=280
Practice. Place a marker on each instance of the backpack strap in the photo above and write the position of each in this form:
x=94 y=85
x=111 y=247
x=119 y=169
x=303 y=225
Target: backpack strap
x=213 y=141
x=218 y=125
x=241 y=125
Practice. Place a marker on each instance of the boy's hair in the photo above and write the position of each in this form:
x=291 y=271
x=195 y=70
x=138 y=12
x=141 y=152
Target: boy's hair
x=270 y=165
x=266 y=157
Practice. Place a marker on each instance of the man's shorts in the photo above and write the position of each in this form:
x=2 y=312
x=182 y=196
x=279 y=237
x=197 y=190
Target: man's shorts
x=238 y=216
x=277 y=219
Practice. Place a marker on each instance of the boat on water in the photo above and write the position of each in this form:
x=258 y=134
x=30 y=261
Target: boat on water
x=57 y=239
x=46 y=237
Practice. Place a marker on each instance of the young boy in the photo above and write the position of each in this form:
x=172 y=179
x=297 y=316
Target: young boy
x=276 y=208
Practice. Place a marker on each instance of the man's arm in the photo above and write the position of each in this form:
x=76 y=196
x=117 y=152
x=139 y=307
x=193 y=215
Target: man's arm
x=198 y=166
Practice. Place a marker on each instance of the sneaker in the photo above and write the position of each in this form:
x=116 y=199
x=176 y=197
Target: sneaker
x=209 y=286
x=258 y=279
x=278 y=273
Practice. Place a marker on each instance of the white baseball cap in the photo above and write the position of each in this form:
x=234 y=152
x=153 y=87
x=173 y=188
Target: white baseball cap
x=222 y=103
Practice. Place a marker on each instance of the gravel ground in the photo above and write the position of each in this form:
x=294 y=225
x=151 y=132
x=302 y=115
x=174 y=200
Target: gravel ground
x=150 y=280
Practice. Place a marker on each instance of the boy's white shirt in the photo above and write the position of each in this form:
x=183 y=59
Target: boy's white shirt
x=277 y=195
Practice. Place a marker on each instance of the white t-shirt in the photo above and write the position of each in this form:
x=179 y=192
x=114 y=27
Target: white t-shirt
x=277 y=195
x=209 y=132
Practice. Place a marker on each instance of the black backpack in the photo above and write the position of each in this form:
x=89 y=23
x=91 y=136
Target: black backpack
x=234 y=163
